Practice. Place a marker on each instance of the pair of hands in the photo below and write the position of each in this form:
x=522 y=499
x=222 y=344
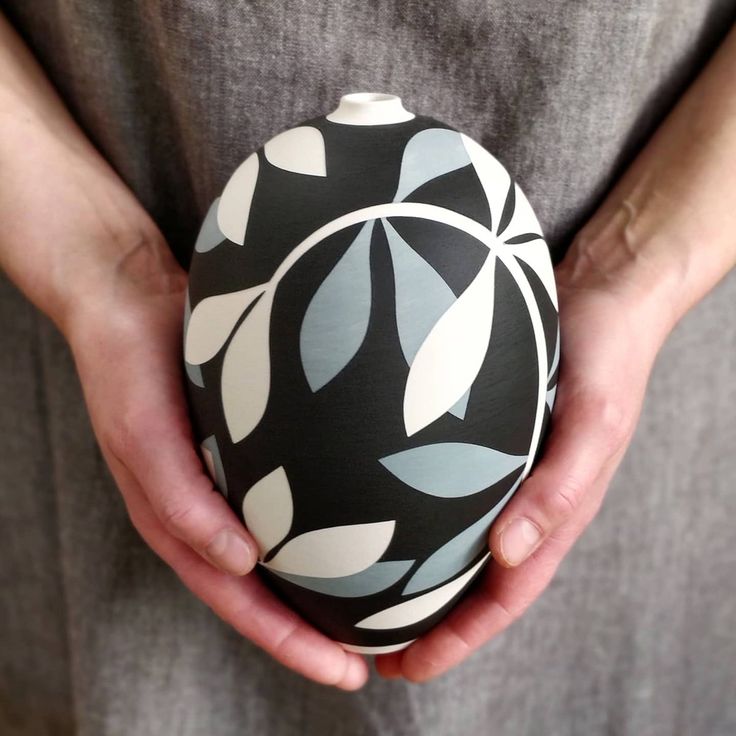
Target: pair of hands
x=128 y=356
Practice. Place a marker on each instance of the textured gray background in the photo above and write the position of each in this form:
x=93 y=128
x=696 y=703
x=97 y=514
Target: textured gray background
x=635 y=636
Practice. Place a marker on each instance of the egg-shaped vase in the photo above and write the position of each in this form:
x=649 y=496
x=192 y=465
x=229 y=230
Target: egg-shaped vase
x=371 y=346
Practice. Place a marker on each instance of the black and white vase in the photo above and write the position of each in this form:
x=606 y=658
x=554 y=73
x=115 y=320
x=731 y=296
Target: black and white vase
x=371 y=345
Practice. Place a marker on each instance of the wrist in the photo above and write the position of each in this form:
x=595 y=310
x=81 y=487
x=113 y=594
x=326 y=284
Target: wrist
x=646 y=269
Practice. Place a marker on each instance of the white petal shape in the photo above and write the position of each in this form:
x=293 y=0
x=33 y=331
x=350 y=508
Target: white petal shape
x=246 y=371
x=551 y=397
x=534 y=252
x=212 y=321
x=301 y=150
x=450 y=357
x=421 y=607
x=375 y=650
x=268 y=510
x=194 y=372
x=493 y=177
x=335 y=551
x=233 y=209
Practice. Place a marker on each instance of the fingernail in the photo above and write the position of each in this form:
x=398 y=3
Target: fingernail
x=518 y=540
x=230 y=552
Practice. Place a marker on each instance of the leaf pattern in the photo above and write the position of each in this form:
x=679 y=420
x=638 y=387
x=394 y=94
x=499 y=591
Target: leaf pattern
x=233 y=209
x=493 y=177
x=422 y=296
x=212 y=321
x=194 y=372
x=451 y=469
x=300 y=150
x=336 y=320
x=209 y=236
x=213 y=461
x=268 y=510
x=372 y=580
x=429 y=154
x=459 y=552
x=417 y=609
x=335 y=551
x=246 y=371
x=450 y=357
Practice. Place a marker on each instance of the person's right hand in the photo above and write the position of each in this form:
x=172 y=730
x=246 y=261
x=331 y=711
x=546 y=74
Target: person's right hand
x=126 y=342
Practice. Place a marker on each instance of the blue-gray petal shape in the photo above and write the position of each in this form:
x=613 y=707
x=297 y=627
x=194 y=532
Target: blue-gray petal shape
x=210 y=235
x=336 y=320
x=451 y=469
x=194 y=372
x=459 y=552
x=211 y=444
x=422 y=295
x=372 y=580
x=429 y=154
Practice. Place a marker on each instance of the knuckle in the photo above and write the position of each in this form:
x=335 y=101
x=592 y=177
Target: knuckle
x=564 y=501
x=606 y=411
x=174 y=516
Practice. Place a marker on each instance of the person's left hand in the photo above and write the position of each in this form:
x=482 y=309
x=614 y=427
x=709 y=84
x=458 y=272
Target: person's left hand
x=613 y=320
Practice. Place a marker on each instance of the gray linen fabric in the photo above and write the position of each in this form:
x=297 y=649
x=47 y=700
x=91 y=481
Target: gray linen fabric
x=635 y=636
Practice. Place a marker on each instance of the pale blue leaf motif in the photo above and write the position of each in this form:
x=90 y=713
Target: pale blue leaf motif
x=209 y=236
x=336 y=321
x=372 y=580
x=459 y=552
x=451 y=469
x=417 y=609
x=429 y=154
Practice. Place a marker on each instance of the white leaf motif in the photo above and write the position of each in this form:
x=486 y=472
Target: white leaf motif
x=233 y=209
x=421 y=607
x=246 y=371
x=268 y=510
x=300 y=150
x=335 y=551
x=212 y=321
x=450 y=357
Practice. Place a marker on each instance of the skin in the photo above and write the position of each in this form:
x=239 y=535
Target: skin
x=86 y=253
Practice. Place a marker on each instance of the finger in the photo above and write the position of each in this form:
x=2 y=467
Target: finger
x=501 y=597
x=153 y=440
x=249 y=606
x=589 y=427
x=389 y=665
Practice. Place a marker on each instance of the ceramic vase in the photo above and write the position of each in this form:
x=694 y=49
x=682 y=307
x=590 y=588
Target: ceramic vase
x=371 y=346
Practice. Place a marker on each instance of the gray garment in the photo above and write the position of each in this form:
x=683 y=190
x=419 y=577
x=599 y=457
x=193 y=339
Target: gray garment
x=635 y=636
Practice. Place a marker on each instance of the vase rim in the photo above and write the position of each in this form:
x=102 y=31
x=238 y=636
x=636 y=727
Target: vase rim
x=369 y=108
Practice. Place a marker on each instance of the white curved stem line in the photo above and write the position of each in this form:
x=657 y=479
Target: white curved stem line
x=467 y=225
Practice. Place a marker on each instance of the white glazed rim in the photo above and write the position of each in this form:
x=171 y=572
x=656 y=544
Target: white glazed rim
x=369 y=108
